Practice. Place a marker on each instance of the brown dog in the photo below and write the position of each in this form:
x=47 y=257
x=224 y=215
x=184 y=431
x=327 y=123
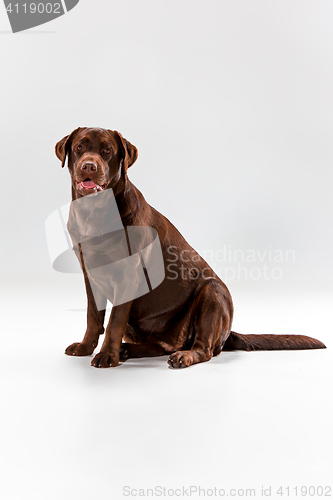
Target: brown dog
x=189 y=314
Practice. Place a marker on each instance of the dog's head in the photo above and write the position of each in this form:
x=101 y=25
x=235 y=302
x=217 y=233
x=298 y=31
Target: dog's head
x=97 y=158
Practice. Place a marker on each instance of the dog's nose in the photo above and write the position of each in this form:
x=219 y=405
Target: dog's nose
x=89 y=167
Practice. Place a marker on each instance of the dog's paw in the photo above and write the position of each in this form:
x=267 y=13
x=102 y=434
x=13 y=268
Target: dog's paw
x=181 y=359
x=104 y=360
x=80 y=349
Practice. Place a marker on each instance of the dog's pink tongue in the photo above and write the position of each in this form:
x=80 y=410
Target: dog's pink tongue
x=88 y=184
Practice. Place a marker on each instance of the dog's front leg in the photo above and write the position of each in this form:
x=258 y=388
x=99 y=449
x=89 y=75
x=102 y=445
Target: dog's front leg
x=109 y=353
x=95 y=320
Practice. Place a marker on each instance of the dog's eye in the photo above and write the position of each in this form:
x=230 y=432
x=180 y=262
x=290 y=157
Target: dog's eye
x=107 y=151
x=79 y=147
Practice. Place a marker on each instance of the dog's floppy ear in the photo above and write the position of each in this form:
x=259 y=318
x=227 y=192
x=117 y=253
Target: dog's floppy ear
x=130 y=152
x=62 y=147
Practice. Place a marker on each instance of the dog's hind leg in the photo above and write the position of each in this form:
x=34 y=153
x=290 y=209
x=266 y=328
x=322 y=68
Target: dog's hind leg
x=144 y=350
x=212 y=312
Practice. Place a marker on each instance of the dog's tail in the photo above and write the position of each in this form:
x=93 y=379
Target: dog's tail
x=237 y=341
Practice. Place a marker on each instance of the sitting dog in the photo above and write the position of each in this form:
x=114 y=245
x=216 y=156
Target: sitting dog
x=189 y=314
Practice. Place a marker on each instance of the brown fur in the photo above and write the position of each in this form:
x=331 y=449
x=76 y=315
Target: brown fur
x=188 y=317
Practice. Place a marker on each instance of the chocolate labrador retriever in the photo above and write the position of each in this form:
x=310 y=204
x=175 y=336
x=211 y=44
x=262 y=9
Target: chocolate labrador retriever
x=189 y=314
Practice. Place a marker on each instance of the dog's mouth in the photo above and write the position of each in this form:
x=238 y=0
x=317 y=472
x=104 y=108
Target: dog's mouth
x=89 y=186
